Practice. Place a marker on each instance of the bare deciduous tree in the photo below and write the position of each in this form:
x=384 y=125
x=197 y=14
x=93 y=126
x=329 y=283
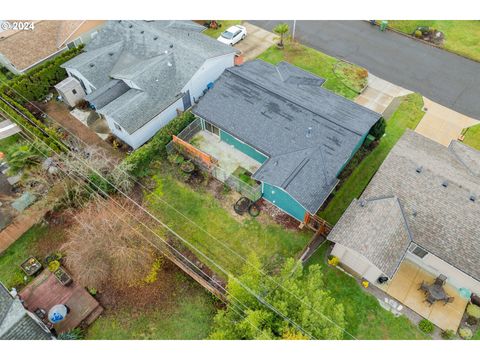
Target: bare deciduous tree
x=106 y=246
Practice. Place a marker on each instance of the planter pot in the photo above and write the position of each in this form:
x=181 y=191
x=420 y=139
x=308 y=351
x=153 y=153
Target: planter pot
x=63 y=277
x=280 y=46
x=187 y=167
x=31 y=266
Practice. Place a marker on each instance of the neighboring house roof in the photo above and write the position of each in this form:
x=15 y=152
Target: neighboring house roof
x=156 y=58
x=25 y=48
x=16 y=323
x=385 y=240
x=439 y=191
x=282 y=111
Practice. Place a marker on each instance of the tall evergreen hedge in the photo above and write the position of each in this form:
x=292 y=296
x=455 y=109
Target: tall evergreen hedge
x=140 y=159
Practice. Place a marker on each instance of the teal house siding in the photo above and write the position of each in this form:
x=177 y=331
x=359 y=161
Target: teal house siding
x=241 y=146
x=360 y=143
x=284 y=201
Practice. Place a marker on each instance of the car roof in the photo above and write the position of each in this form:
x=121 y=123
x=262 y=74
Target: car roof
x=233 y=28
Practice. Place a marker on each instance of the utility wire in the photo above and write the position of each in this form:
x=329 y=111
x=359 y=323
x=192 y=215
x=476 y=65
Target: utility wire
x=190 y=220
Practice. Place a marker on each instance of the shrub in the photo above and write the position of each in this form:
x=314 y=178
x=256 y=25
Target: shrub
x=418 y=34
x=448 y=334
x=465 y=333
x=426 y=326
x=333 y=260
x=473 y=311
x=75 y=334
x=53 y=265
x=378 y=130
x=141 y=158
x=36 y=83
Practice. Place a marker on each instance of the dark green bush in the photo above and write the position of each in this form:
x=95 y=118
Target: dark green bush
x=139 y=160
x=37 y=82
x=426 y=326
x=378 y=130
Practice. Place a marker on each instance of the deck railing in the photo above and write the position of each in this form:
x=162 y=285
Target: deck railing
x=209 y=164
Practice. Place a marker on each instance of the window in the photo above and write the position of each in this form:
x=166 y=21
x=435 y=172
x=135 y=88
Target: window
x=419 y=252
x=118 y=127
x=74 y=92
x=212 y=128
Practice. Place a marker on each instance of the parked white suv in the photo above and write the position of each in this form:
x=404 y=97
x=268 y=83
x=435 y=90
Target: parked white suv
x=233 y=35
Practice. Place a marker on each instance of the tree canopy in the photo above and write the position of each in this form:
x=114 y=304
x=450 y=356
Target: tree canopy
x=301 y=297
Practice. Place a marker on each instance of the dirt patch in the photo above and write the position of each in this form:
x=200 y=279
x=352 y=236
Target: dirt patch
x=60 y=113
x=278 y=215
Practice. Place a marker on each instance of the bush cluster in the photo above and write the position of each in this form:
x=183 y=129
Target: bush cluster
x=426 y=326
x=378 y=130
x=37 y=82
x=139 y=160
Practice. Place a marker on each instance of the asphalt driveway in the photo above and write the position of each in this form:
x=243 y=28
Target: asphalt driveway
x=446 y=78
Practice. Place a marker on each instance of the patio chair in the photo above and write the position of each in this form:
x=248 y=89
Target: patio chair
x=424 y=286
x=448 y=299
x=440 y=280
x=430 y=300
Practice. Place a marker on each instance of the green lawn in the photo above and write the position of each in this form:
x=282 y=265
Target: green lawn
x=271 y=242
x=461 y=36
x=408 y=115
x=10 y=273
x=5 y=144
x=187 y=316
x=215 y=33
x=365 y=318
x=341 y=82
x=472 y=137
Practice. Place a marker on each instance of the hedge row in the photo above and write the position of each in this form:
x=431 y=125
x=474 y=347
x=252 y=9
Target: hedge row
x=36 y=83
x=139 y=160
x=51 y=140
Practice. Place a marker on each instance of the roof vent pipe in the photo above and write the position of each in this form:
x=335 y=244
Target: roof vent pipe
x=445 y=183
x=309 y=132
x=419 y=169
x=473 y=198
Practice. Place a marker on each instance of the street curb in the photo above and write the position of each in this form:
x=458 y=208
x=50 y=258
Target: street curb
x=426 y=42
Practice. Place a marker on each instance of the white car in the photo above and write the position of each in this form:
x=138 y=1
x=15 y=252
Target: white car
x=233 y=35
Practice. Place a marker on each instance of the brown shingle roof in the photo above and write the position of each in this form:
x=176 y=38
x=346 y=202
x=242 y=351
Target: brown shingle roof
x=439 y=192
x=27 y=47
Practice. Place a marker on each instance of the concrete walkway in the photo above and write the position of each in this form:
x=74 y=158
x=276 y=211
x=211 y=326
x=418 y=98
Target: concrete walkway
x=257 y=41
x=379 y=94
x=442 y=124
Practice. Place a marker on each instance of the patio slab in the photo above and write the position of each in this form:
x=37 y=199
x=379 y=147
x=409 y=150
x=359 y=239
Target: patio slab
x=405 y=288
x=229 y=158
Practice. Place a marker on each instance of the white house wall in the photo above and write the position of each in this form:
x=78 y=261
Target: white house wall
x=142 y=135
x=356 y=262
x=209 y=72
x=437 y=266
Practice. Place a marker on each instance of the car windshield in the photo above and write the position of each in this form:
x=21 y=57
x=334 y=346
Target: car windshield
x=227 y=35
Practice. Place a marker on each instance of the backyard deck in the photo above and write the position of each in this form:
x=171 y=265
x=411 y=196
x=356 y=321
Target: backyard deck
x=45 y=291
x=405 y=288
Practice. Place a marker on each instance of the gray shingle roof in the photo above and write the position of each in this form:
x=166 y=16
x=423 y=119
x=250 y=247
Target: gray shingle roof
x=443 y=220
x=376 y=229
x=16 y=323
x=159 y=58
x=307 y=132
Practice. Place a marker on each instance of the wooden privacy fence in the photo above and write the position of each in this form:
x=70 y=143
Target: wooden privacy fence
x=191 y=150
x=317 y=224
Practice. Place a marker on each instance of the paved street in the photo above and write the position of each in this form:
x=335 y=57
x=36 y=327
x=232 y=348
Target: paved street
x=446 y=78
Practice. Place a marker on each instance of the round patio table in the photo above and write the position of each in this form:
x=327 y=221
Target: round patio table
x=437 y=292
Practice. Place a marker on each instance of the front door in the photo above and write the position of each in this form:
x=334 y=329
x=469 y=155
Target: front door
x=187 y=102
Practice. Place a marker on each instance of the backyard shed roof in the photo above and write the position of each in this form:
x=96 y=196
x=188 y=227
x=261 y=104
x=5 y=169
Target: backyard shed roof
x=308 y=132
x=156 y=59
x=439 y=191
